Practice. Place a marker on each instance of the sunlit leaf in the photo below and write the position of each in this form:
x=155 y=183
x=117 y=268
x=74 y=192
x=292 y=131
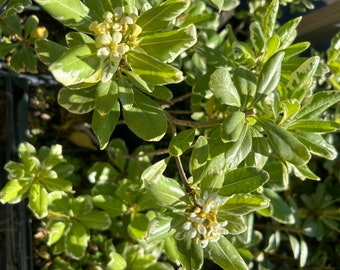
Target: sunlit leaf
x=243 y=180
x=145 y=118
x=76 y=240
x=190 y=253
x=181 y=142
x=225 y=255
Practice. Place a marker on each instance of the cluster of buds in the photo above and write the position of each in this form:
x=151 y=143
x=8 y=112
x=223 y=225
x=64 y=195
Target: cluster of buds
x=114 y=37
x=202 y=224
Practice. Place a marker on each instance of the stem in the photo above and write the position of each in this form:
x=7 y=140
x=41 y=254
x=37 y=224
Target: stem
x=280 y=228
x=187 y=123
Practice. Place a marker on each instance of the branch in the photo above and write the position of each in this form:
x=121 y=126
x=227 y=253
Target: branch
x=187 y=123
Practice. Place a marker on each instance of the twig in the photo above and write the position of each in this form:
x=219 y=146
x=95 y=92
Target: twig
x=187 y=123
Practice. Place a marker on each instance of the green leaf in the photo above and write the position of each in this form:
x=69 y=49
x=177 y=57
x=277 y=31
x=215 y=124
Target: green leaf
x=225 y=255
x=232 y=126
x=301 y=78
x=14 y=191
x=7 y=48
x=159 y=17
x=75 y=65
x=49 y=51
x=296 y=49
x=290 y=108
x=243 y=180
x=303 y=252
x=304 y=172
x=235 y=224
x=13 y=7
x=245 y=83
x=138 y=226
x=281 y=211
x=166 y=46
x=315 y=126
x=71 y=13
x=269 y=19
x=38 y=200
x=81 y=205
x=104 y=125
x=113 y=206
x=166 y=191
x=160 y=229
x=199 y=158
x=212 y=181
x=55 y=229
x=31 y=23
x=242 y=204
x=236 y=152
x=317 y=104
x=76 y=240
x=78 y=101
x=269 y=77
x=77 y=38
x=285 y=144
x=116 y=150
x=55 y=184
x=272 y=45
x=155 y=171
x=146 y=119
x=190 y=253
x=287 y=32
x=106 y=97
x=98 y=220
x=153 y=70
x=125 y=91
x=223 y=88
x=317 y=145
x=116 y=262
x=181 y=142
x=257 y=37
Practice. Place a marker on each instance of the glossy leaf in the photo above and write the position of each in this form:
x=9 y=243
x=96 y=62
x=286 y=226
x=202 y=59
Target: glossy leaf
x=285 y=144
x=236 y=152
x=166 y=46
x=243 y=180
x=159 y=17
x=317 y=104
x=75 y=65
x=38 y=200
x=77 y=101
x=103 y=125
x=14 y=191
x=166 y=191
x=125 y=91
x=245 y=82
x=98 y=220
x=269 y=19
x=190 y=253
x=199 y=158
x=223 y=88
x=55 y=229
x=300 y=79
x=154 y=172
x=212 y=181
x=280 y=209
x=159 y=229
x=257 y=37
x=236 y=224
x=49 y=51
x=153 y=70
x=269 y=76
x=315 y=126
x=111 y=205
x=76 y=240
x=106 y=97
x=181 y=142
x=241 y=204
x=287 y=32
x=317 y=145
x=77 y=38
x=226 y=255
x=146 y=119
x=232 y=126
x=71 y=13
x=272 y=46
